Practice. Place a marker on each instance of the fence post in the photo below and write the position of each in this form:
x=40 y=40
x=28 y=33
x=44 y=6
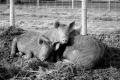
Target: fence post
x=109 y=4
x=38 y=3
x=12 y=13
x=72 y=4
x=84 y=17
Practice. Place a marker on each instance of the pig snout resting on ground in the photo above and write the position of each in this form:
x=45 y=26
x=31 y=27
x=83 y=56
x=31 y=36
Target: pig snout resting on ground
x=84 y=52
x=39 y=45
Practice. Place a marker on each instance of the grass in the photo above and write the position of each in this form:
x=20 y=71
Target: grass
x=20 y=69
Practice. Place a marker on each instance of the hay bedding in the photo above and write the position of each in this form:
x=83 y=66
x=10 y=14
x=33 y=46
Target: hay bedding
x=20 y=69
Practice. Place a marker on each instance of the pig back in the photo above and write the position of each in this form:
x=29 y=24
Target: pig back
x=85 y=51
x=28 y=41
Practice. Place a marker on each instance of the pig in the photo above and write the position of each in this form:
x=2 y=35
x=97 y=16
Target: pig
x=40 y=45
x=84 y=51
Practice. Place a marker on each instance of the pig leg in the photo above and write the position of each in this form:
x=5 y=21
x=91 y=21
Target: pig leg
x=66 y=61
x=14 y=47
x=44 y=52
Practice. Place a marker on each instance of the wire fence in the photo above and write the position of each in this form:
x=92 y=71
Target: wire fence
x=68 y=3
x=72 y=4
x=102 y=4
x=31 y=13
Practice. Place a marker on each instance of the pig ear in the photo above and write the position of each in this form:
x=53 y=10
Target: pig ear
x=57 y=46
x=57 y=23
x=71 y=25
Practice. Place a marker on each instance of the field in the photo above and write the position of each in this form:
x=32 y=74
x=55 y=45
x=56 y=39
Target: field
x=102 y=24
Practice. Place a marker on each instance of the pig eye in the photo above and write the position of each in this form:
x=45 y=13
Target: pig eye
x=63 y=25
x=41 y=41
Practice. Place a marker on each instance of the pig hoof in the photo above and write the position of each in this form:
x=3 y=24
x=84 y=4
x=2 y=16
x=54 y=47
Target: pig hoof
x=42 y=59
x=66 y=61
x=26 y=57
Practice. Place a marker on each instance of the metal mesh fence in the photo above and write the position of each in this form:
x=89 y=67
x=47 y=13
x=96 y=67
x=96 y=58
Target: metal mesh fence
x=102 y=15
x=107 y=4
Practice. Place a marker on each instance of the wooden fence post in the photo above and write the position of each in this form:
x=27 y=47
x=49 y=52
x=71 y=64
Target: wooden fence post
x=12 y=13
x=84 y=17
x=72 y=4
x=109 y=4
x=38 y=3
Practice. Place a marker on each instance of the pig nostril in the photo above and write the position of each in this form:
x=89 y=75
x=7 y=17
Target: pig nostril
x=65 y=41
